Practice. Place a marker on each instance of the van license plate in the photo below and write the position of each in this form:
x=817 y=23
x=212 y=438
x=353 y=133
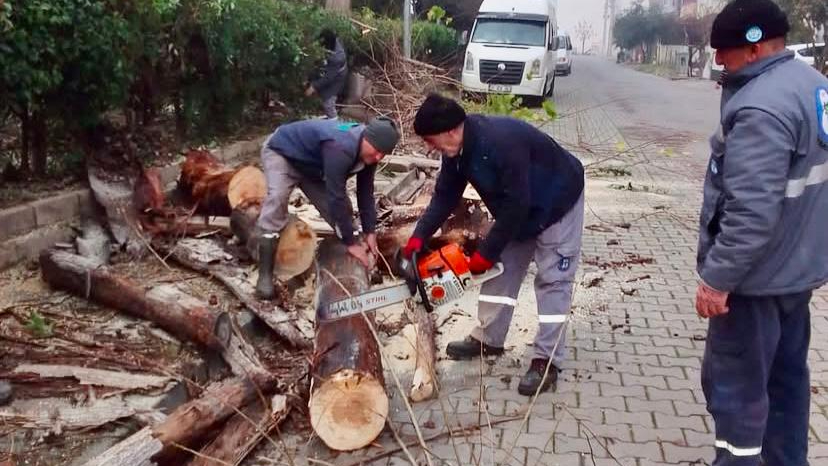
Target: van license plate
x=499 y=88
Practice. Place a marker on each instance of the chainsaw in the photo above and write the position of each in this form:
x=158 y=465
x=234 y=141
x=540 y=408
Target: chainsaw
x=436 y=278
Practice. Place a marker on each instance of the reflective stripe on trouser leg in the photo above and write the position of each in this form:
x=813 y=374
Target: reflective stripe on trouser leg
x=281 y=178
x=557 y=255
x=498 y=297
x=739 y=367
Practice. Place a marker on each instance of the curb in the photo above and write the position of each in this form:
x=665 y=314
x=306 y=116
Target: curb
x=27 y=229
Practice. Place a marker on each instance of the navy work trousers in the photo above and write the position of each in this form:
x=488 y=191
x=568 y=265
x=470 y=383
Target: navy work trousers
x=756 y=381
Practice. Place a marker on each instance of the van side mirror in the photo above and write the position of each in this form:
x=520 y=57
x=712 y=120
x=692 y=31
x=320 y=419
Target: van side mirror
x=553 y=44
x=464 y=38
x=569 y=47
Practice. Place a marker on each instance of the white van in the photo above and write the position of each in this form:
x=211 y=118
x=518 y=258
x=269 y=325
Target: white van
x=512 y=49
x=563 y=46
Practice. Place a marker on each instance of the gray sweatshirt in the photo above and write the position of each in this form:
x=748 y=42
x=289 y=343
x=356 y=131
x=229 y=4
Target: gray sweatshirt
x=764 y=221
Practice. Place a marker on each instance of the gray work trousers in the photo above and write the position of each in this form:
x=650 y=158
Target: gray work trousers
x=556 y=252
x=282 y=178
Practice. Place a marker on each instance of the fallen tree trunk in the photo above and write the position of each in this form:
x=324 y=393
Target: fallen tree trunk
x=82 y=276
x=187 y=424
x=204 y=256
x=348 y=403
x=424 y=384
x=242 y=433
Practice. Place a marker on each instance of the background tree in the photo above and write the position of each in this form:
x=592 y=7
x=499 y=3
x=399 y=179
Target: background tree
x=584 y=32
x=808 y=17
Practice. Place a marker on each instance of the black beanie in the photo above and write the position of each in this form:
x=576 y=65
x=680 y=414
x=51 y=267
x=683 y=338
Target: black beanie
x=437 y=115
x=746 y=22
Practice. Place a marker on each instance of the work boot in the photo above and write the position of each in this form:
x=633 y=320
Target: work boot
x=471 y=348
x=267 y=248
x=530 y=382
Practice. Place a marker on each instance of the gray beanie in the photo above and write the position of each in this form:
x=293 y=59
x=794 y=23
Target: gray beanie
x=382 y=133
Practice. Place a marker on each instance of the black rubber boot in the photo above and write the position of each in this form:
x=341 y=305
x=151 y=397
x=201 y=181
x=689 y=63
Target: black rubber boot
x=530 y=382
x=471 y=348
x=267 y=249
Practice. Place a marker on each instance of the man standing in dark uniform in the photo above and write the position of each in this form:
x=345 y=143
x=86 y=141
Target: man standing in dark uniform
x=763 y=246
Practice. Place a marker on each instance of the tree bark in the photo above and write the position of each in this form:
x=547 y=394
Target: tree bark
x=83 y=277
x=242 y=433
x=39 y=145
x=348 y=404
x=424 y=385
x=25 y=141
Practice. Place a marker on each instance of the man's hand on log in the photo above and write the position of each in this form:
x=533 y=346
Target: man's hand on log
x=359 y=251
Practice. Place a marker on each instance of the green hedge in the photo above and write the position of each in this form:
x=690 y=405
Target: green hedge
x=65 y=63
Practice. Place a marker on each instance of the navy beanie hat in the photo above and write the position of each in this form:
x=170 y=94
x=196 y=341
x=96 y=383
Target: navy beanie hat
x=437 y=115
x=746 y=22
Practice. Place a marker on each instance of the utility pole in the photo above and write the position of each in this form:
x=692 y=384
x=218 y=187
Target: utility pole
x=407 y=28
x=604 y=34
x=611 y=27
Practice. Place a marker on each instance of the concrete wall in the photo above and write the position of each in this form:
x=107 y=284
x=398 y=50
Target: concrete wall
x=27 y=229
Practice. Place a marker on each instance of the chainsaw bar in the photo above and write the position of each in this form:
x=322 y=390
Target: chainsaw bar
x=366 y=302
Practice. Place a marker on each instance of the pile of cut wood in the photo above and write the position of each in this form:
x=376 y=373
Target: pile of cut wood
x=204 y=225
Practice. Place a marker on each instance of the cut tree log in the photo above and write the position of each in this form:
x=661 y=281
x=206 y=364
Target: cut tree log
x=189 y=423
x=297 y=242
x=206 y=257
x=348 y=402
x=216 y=189
x=83 y=277
x=424 y=385
x=242 y=433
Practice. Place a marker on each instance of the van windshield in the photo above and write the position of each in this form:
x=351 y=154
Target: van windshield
x=510 y=32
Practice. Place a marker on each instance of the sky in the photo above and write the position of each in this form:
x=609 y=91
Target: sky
x=570 y=12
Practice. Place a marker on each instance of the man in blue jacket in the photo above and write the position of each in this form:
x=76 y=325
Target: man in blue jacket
x=535 y=191
x=763 y=245
x=319 y=156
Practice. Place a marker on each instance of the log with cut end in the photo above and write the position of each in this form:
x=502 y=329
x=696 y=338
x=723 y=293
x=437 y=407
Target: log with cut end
x=297 y=242
x=83 y=277
x=217 y=189
x=188 y=424
x=348 y=403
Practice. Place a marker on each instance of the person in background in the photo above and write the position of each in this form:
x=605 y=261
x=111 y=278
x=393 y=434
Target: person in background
x=763 y=239
x=332 y=76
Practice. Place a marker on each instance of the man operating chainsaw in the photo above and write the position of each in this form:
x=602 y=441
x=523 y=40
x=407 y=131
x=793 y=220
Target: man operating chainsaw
x=535 y=191
x=319 y=156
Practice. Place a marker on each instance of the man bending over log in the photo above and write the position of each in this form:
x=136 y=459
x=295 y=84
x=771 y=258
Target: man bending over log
x=534 y=189
x=319 y=156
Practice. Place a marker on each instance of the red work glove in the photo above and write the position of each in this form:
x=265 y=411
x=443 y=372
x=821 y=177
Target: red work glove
x=414 y=245
x=479 y=264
